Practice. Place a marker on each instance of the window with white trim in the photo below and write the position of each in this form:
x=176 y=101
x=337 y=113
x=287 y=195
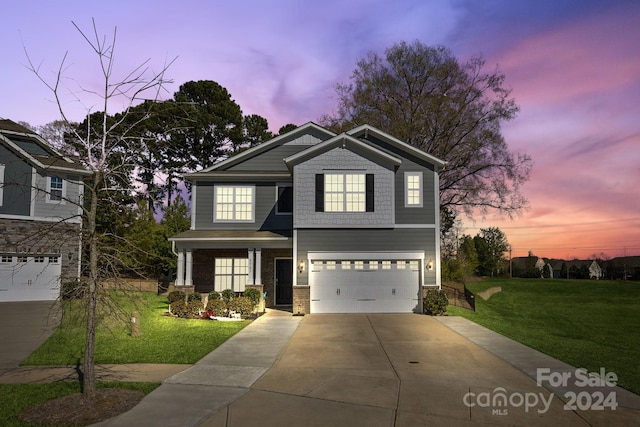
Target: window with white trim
x=55 y=189
x=231 y=273
x=6 y=259
x=413 y=189
x=234 y=203
x=347 y=192
x=1 y=183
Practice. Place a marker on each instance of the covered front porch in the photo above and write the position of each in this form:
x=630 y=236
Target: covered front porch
x=218 y=260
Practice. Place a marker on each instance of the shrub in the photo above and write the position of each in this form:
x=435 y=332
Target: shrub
x=228 y=295
x=435 y=302
x=179 y=308
x=176 y=296
x=217 y=306
x=213 y=295
x=242 y=305
x=194 y=297
x=254 y=295
x=186 y=309
x=195 y=308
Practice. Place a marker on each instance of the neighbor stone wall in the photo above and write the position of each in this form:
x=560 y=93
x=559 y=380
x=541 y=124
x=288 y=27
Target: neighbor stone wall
x=30 y=238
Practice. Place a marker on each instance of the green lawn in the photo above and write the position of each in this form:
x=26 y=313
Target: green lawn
x=17 y=397
x=588 y=324
x=164 y=339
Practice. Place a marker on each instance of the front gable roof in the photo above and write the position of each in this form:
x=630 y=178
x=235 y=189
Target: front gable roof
x=345 y=141
x=35 y=150
x=364 y=131
x=307 y=128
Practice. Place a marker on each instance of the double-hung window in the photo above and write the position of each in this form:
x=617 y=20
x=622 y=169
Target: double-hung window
x=55 y=189
x=344 y=192
x=413 y=189
x=234 y=203
x=231 y=273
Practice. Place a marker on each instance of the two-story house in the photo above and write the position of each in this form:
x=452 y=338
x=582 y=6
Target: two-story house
x=325 y=223
x=40 y=216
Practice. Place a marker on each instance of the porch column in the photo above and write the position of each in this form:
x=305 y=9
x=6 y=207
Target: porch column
x=258 y=266
x=180 y=272
x=250 y=280
x=188 y=279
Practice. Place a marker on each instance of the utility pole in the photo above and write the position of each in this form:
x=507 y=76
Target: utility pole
x=510 y=263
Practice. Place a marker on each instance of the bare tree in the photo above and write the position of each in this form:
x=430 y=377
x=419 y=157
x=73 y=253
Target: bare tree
x=102 y=149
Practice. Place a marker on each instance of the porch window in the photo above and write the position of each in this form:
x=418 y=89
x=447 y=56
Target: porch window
x=234 y=203
x=231 y=273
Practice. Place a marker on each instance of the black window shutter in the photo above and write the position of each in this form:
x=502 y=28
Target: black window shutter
x=319 y=192
x=369 y=193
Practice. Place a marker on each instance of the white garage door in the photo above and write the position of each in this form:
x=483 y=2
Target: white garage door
x=29 y=278
x=364 y=286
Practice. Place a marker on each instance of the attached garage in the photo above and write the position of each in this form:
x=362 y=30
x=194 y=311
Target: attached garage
x=365 y=282
x=29 y=278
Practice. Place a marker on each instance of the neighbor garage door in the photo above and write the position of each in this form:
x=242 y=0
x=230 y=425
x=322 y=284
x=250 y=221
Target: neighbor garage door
x=351 y=285
x=29 y=278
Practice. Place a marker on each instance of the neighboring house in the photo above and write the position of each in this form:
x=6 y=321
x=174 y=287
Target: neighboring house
x=40 y=217
x=325 y=223
x=595 y=272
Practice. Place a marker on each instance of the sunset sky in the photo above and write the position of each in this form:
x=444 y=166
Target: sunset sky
x=573 y=65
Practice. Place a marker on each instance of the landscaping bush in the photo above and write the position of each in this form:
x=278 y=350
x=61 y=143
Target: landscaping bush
x=254 y=295
x=176 y=296
x=194 y=297
x=195 y=308
x=213 y=295
x=242 y=305
x=217 y=306
x=179 y=308
x=228 y=295
x=435 y=302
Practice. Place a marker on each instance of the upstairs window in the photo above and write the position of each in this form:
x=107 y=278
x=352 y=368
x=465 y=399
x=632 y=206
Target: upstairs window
x=55 y=189
x=413 y=189
x=285 y=199
x=234 y=203
x=344 y=192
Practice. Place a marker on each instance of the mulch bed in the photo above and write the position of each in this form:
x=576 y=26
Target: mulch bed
x=75 y=409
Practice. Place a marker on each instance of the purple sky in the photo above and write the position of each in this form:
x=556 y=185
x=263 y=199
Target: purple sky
x=574 y=67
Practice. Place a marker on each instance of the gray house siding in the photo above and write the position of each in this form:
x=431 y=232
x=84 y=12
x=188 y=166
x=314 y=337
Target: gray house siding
x=265 y=209
x=64 y=210
x=366 y=240
x=415 y=215
x=342 y=160
x=17 y=184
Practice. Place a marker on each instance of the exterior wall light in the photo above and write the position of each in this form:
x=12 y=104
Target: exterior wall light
x=430 y=265
x=301 y=266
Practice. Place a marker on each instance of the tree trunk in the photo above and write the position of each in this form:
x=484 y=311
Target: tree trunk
x=89 y=377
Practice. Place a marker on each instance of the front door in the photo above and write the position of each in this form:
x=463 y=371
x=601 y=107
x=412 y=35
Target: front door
x=284 y=281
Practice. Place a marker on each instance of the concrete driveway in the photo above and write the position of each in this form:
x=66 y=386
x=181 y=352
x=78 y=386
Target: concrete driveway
x=24 y=326
x=394 y=370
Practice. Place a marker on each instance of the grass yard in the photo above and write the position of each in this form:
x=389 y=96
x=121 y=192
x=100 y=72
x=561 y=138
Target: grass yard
x=17 y=397
x=585 y=323
x=164 y=339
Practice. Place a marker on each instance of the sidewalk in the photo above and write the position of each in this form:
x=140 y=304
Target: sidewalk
x=193 y=395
